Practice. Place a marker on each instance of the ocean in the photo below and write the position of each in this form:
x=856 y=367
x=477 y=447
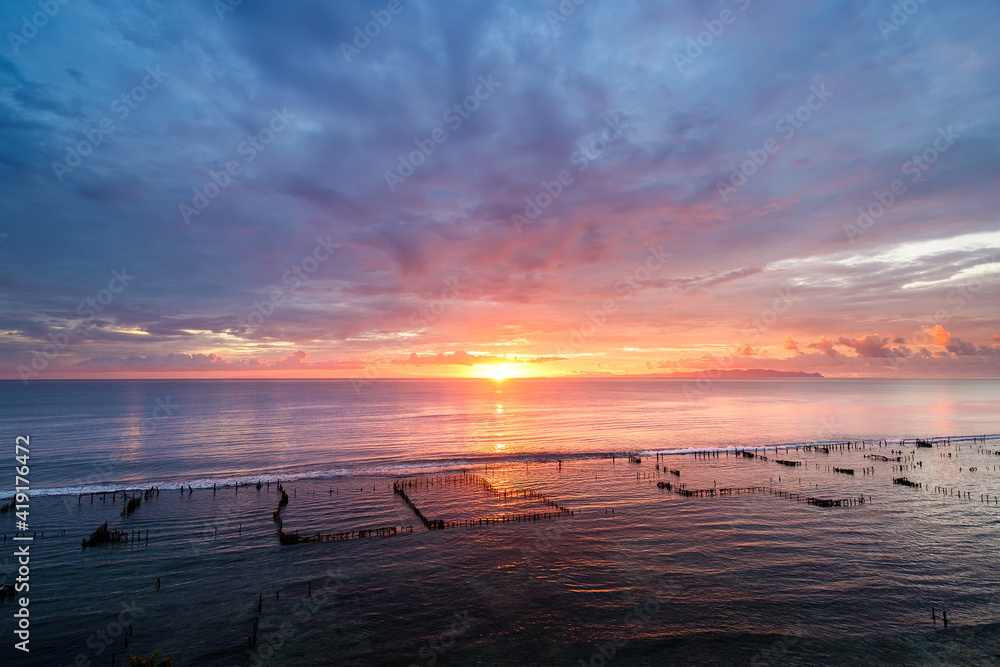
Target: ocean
x=558 y=550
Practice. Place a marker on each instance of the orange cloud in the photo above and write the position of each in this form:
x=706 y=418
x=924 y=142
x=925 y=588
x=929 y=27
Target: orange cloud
x=792 y=345
x=745 y=350
x=938 y=333
x=825 y=346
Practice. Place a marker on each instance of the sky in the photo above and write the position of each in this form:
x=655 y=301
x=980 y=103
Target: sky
x=406 y=188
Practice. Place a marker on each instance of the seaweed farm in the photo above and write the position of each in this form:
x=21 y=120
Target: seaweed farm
x=297 y=557
x=472 y=500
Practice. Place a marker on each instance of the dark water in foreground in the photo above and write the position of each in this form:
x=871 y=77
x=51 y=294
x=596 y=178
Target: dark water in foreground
x=638 y=575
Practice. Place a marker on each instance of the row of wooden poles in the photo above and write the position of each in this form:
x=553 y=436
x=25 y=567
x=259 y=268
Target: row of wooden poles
x=947 y=491
x=504 y=518
x=126 y=495
x=146 y=493
x=682 y=490
x=660 y=457
x=942 y=440
x=672 y=471
x=825 y=449
x=471 y=479
x=296 y=538
x=919 y=442
x=105 y=535
x=282 y=502
x=435 y=524
x=133 y=500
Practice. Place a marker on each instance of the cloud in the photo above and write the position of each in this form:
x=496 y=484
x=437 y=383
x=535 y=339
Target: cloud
x=790 y=344
x=466 y=359
x=823 y=345
x=939 y=334
x=960 y=347
x=183 y=362
x=745 y=350
x=872 y=346
x=173 y=361
x=702 y=282
x=875 y=356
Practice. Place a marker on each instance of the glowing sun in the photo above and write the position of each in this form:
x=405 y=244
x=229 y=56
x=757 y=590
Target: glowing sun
x=499 y=372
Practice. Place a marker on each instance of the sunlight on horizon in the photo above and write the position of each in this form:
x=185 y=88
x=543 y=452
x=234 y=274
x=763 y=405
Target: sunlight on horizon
x=500 y=372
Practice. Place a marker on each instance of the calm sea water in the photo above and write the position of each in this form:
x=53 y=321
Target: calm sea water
x=638 y=575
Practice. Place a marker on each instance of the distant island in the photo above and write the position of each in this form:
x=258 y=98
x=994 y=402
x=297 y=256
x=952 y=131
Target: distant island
x=737 y=373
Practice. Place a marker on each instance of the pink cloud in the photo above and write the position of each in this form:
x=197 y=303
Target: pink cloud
x=466 y=359
x=823 y=345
